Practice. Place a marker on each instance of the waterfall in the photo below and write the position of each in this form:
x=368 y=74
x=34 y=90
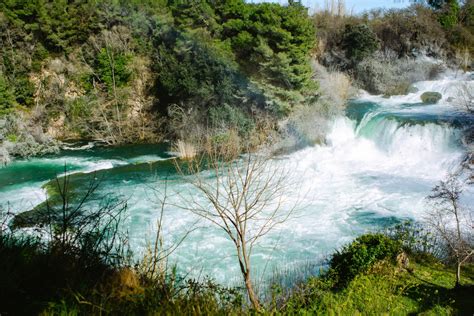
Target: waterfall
x=378 y=164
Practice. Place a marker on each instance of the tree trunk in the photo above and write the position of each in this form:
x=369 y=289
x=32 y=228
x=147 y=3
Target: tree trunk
x=458 y=274
x=252 y=296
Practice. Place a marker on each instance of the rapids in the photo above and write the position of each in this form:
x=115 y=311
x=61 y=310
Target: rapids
x=379 y=163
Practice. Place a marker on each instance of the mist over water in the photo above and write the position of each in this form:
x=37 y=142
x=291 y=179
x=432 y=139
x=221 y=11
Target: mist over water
x=379 y=163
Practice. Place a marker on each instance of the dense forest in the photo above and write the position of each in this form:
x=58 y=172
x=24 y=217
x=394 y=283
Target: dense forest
x=147 y=71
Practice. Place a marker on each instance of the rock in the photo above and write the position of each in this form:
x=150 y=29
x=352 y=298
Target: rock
x=450 y=99
x=431 y=97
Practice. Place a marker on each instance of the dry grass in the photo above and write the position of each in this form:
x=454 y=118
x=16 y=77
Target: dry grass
x=124 y=283
x=335 y=86
x=185 y=150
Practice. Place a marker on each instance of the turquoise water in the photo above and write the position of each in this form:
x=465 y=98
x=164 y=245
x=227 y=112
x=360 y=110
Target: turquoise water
x=379 y=163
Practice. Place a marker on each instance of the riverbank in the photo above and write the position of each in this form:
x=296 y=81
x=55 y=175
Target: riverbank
x=46 y=279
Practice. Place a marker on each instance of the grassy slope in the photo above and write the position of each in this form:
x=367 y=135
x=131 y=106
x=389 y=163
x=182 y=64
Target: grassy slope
x=428 y=289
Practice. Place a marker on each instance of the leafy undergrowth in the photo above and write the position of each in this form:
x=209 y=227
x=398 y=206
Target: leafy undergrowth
x=426 y=288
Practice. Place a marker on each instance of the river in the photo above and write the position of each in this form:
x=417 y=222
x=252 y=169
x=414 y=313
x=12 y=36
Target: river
x=379 y=163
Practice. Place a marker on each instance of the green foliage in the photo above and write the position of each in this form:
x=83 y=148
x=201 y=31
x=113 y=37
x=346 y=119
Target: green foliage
x=7 y=98
x=24 y=90
x=360 y=255
x=449 y=16
x=59 y=23
x=386 y=290
x=203 y=54
x=359 y=42
x=22 y=13
x=112 y=68
x=78 y=109
x=226 y=116
x=268 y=40
x=39 y=55
x=12 y=138
x=195 y=71
x=193 y=14
x=275 y=39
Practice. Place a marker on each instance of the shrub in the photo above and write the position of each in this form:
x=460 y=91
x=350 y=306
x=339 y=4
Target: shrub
x=7 y=100
x=359 y=41
x=416 y=239
x=226 y=116
x=410 y=31
x=112 y=68
x=449 y=16
x=188 y=70
x=360 y=255
x=24 y=90
x=391 y=76
x=335 y=87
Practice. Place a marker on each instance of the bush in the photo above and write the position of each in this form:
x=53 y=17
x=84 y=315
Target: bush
x=359 y=41
x=360 y=255
x=112 y=68
x=7 y=99
x=410 y=31
x=82 y=267
x=226 y=116
x=188 y=70
x=417 y=240
x=391 y=76
x=449 y=16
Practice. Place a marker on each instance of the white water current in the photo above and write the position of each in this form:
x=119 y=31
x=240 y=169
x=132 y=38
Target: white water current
x=376 y=168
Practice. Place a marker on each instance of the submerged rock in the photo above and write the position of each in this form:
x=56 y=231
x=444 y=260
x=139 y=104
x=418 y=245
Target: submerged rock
x=431 y=97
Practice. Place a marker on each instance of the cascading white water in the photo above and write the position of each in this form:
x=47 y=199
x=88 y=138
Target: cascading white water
x=375 y=169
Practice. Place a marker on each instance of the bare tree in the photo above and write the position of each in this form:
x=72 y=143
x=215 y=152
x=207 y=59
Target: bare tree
x=452 y=222
x=466 y=96
x=463 y=58
x=243 y=197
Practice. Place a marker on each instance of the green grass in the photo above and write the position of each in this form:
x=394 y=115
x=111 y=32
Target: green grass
x=427 y=289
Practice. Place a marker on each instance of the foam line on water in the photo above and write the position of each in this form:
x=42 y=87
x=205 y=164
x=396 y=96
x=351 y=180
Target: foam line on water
x=452 y=87
x=20 y=199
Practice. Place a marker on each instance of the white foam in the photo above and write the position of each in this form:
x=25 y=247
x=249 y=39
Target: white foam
x=365 y=175
x=452 y=87
x=20 y=199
